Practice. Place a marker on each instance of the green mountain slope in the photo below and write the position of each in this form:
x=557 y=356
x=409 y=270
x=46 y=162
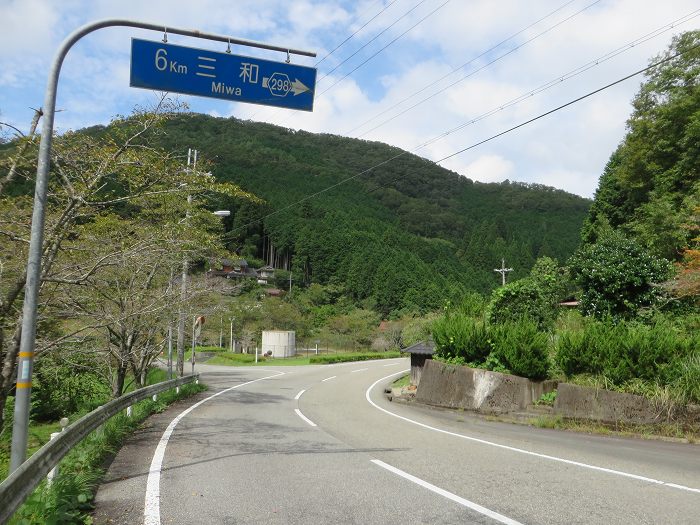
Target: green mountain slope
x=405 y=235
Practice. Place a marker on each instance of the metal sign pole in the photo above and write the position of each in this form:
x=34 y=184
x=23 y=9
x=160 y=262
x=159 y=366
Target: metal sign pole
x=33 y=283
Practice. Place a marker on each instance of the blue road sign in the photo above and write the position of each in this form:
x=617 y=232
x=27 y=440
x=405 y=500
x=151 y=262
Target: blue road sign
x=167 y=67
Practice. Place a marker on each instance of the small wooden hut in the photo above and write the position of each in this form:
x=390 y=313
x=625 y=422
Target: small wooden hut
x=420 y=352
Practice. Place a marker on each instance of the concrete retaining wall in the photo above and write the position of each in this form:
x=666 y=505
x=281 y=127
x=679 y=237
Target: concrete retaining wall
x=495 y=393
x=580 y=402
x=476 y=389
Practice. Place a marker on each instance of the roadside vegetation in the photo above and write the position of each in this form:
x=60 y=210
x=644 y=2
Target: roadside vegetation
x=636 y=274
x=70 y=498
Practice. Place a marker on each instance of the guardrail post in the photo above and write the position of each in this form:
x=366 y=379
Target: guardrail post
x=177 y=389
x=54 y=471
x=129 y=410
x=155 y=397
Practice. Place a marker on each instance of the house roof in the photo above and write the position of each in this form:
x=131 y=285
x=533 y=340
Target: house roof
x=422 y=347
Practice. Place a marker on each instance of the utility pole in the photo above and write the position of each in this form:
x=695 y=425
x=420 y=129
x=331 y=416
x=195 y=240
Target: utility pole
x=503 y=271
x=170 y=350
x=221 y=331
x=191 y=159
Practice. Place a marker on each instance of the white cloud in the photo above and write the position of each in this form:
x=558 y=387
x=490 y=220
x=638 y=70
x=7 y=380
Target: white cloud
x=489 y=168
x=567 y=149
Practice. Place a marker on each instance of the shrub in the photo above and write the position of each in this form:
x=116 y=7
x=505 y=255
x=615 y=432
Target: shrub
x=624 y=351
x=535 y=297
x=522 y=348
x=66 y=385
x=459 y=336
x=616 y=276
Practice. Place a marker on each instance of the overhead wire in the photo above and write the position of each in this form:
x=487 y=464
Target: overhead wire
x=567 y=76
x=472 y=73
x=327 y=73
x=377 y=52
x=387 y=6
x=472 y=146
x=350 y=37
x=458 y=68
x=384 y=47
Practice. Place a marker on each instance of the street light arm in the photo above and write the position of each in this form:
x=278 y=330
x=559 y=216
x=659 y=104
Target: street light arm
x=33 y=282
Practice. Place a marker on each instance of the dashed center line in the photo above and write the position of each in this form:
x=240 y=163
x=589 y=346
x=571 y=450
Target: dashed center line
x=359 y=370
x=328 y=379
x=299 y=394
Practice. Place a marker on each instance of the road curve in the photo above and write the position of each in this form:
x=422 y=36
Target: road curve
x=321 y=444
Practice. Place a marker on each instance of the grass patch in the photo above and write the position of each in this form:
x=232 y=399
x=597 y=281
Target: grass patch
x=70 y=498
x=547 y=399
x=690 y=433
x=231 y=359
x=402 y=381
x=359 y=356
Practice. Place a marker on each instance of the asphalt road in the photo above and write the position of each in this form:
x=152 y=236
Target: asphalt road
x=322 y=445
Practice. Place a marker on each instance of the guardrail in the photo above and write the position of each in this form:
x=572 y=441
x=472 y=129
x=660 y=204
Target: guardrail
x=20 y=483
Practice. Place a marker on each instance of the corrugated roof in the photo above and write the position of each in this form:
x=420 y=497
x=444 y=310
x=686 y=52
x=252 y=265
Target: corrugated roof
x=422 y=347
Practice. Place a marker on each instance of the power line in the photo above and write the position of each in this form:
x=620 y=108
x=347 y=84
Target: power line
x=589 y=94
x=383 y=48
x=353 y=34
x=327 y=73
x=567 y=76
x=376 y=53
x=454 y=154
x=492 y=48
x=358 y=50
x=472 y=73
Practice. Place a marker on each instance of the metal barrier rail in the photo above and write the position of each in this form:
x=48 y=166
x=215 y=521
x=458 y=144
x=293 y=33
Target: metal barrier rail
x=20 y=483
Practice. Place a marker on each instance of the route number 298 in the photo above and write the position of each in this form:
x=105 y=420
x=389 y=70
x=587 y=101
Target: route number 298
x=279 y=84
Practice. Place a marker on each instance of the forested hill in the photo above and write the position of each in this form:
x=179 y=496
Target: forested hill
x=406 y=234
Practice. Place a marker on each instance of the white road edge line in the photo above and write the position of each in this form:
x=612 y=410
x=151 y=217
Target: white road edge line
x=359 y=370
x=465 y=502
x=302 y=416
x=299 y=394
x=520 y=450
x=151 y=511
x=328 y=379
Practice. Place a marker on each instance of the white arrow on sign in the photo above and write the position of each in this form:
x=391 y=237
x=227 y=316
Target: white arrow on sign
x=298 y=88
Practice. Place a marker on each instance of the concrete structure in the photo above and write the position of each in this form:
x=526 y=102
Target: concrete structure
x=580 y=402
x=475 y=389
x=420 y=353
x=281 y=343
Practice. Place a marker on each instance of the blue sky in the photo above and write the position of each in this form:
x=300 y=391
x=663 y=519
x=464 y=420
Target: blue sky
x=489 y=55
